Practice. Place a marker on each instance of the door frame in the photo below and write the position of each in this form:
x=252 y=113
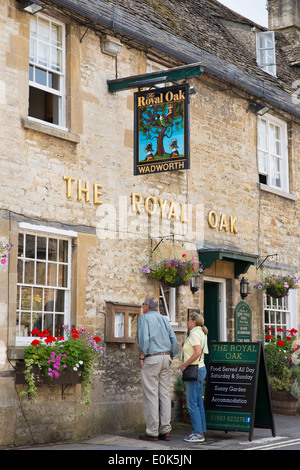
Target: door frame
x=222 y=304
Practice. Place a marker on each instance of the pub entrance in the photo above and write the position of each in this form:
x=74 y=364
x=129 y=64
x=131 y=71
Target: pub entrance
x=215 y=308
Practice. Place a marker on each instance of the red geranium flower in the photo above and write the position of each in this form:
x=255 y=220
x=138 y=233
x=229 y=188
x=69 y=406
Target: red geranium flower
x=35 y=331
x=35 y=342
x=97 y=338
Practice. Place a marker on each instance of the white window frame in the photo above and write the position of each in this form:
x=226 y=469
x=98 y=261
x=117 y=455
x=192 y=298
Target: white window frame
x=265 y=51
x=272 y=150
x=282 y=313
x=48 y=232
x=61 y=93
x=169 y=303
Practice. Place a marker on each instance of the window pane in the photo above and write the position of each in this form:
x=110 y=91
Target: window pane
x=52 y=274
x=41 y=273
x=60 y=301
x=132 y=326
x=56 y=59
x=37 y=300
x=20 y=245
x=40 y=76
x=44 y=106
x=43 y=55
x=263 y=168
x=262 y=135
x=63 y=251
x=43 y=29
x=62 y=275
x=30 y=246
x=119 y=325
x=32 y=51
x=56 y=35
x=41 y=247
x=29 y=272
x=54 y=81
x=52 y=249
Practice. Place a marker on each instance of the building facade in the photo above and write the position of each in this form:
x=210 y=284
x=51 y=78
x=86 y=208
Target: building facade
x=84 y=224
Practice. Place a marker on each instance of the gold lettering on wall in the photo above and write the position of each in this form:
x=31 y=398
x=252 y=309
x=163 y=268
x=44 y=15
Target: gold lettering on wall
x=83 y=190
x=168 y=209
x=223 y=223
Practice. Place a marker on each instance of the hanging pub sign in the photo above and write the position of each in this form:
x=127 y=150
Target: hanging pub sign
x=161 y=130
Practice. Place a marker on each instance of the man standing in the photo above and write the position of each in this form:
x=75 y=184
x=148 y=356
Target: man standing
x=157 y=347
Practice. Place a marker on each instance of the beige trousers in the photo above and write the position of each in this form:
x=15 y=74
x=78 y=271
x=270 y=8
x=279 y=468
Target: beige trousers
x=156 y=394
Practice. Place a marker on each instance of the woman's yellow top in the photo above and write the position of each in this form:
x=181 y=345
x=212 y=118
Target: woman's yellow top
x=196 y=337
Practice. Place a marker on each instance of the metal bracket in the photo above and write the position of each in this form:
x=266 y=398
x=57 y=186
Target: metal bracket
x=269 y=256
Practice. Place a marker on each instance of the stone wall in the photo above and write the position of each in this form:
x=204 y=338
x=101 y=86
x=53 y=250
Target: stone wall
x=114 y=240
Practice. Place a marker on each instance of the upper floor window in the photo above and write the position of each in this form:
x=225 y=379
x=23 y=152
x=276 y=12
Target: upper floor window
x=265 y=51
x=47 y=70
x=272 y=153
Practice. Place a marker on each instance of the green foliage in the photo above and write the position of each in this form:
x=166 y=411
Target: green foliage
x=281 y=356
x=179 y=386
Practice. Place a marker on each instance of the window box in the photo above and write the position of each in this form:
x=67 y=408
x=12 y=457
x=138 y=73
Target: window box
x=121 y=322
x=68 y=377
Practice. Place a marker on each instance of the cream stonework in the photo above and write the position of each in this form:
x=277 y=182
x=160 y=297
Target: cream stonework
x=40 y=170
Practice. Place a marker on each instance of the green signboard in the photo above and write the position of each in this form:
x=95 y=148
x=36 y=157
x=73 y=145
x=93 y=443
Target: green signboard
x=243 y=323
x=237 y=396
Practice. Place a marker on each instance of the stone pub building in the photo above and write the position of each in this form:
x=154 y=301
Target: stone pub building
x=86 y=210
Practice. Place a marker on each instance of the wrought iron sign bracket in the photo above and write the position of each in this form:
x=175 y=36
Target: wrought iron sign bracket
x=160 y=241
x=265 y=259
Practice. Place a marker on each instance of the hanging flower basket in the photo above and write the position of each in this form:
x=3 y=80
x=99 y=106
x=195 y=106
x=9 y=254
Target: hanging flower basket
x=173 y=272
x=275 y=293
x=278 y=286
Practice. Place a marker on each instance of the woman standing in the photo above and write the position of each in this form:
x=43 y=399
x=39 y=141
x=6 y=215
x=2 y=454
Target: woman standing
x=193 y=351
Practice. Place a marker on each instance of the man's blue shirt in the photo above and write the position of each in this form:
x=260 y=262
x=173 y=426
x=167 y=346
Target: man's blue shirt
x=155 y=334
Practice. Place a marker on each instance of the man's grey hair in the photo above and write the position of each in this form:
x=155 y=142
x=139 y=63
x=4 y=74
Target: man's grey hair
x=152 y=302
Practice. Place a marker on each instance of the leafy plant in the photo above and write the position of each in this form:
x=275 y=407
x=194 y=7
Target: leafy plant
x=53 y=356
x=281 y=355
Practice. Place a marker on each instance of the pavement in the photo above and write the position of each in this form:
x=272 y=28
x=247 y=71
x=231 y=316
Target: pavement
x=128 y=442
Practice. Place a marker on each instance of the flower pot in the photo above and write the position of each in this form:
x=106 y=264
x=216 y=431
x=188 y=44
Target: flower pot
x=67 y=377
x=176 y=282
x=273 y=292
x=284 y=403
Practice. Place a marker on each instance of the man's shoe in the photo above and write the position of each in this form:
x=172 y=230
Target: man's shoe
x=165 y=437
x=146 y=437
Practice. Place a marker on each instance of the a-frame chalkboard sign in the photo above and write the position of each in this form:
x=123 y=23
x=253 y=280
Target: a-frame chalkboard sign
x=237 y=396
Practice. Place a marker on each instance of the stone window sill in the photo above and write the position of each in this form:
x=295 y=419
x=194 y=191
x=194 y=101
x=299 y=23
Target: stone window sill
x=49 y=130
x=268 y=189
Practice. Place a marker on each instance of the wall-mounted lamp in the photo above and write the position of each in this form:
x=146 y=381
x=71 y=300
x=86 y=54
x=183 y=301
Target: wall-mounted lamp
x=195 y=283
x=258 y=108
x=111 y=45
x=244 y=288
x=31 y=6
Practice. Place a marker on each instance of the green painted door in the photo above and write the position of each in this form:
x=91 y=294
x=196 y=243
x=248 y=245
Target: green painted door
x=211 y=310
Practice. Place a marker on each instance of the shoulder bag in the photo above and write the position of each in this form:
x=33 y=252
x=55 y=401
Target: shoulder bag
x=190 y=373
